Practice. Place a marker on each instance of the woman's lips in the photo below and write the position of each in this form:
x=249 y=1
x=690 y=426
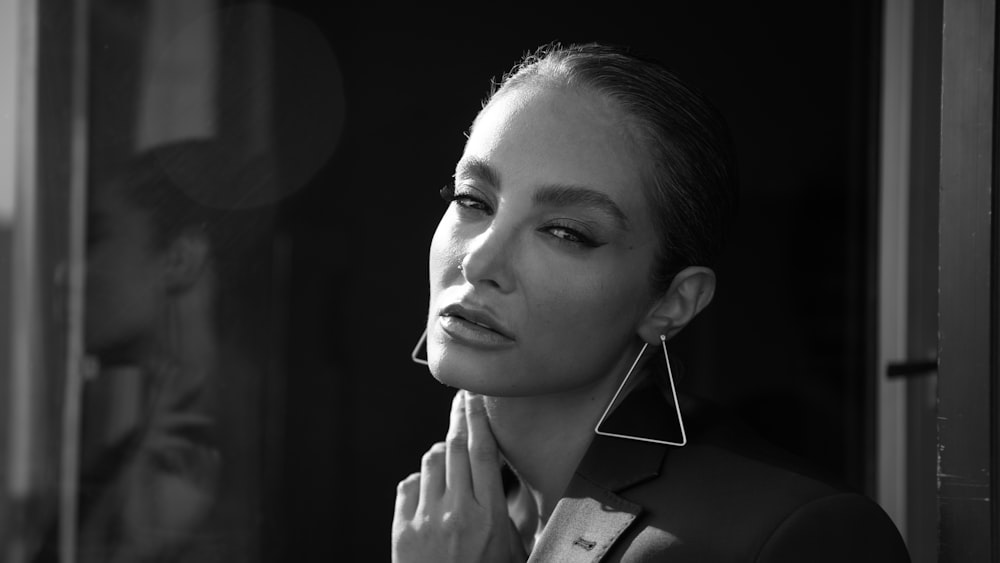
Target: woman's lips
x=473 y=326
x=472 y=333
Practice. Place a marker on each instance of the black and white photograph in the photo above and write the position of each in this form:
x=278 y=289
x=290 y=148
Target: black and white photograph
x=286 y=280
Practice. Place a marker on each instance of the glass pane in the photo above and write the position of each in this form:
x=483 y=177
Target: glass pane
x=184 y=290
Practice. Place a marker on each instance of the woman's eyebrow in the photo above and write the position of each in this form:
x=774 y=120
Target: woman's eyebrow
x=558 y=195
x=564 y=196
x=479 y=169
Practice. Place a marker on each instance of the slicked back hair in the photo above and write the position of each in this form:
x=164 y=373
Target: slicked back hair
x=690 y=180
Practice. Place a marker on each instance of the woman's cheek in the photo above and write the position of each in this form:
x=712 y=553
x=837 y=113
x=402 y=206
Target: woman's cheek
x=582 y=303
x=442 y=254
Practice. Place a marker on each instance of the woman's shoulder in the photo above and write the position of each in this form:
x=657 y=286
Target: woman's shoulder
x=729 y=494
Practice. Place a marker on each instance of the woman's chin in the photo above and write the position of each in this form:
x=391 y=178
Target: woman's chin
x=481 y=382
x=455 y=377
x=468 y=379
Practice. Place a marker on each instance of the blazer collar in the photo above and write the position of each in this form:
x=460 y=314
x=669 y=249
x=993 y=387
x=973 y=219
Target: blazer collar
x=591 y=516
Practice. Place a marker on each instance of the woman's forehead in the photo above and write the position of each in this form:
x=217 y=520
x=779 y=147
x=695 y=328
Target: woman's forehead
x=562 y=135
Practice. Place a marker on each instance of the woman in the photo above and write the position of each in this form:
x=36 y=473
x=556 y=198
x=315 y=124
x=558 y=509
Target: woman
x=166 y=475
x=587 y=209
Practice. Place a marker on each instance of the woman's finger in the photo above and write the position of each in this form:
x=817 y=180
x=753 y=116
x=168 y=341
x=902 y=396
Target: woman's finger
x=431 y=477
x=457 y=476
x=484 y=457
x=407 y=495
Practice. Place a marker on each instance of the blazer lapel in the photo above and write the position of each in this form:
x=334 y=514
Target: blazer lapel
x=584 y=526
x=591 y=516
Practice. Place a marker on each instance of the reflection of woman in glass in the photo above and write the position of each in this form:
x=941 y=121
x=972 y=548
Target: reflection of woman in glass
x=157 y=259
x=588 y=205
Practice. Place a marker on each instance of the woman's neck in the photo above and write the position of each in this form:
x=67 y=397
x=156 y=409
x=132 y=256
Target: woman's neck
x=543 y=438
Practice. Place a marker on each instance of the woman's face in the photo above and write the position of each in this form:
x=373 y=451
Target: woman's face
x=540 y=267
x=125 y=289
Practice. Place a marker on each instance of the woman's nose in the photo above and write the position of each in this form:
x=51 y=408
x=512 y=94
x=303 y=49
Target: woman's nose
x=488 y=260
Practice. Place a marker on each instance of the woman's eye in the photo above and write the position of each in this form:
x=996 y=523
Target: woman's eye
x=572 y=236
x=471 y=202
x=466 y=199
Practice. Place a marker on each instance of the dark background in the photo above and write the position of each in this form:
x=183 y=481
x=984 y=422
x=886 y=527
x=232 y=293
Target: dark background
x=787 y=343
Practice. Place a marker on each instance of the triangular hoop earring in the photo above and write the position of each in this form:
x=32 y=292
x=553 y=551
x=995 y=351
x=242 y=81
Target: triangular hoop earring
x=673 y=391
x=416 y=350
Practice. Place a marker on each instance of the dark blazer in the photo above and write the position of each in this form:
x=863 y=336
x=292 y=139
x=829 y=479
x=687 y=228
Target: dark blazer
x=726 y=496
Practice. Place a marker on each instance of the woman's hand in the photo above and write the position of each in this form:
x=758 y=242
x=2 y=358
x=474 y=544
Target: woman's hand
x=454 y=510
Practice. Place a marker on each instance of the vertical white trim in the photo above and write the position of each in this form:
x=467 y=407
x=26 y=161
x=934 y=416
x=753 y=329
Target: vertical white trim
x=9 y=74
x=894 y=204
x=24 y=376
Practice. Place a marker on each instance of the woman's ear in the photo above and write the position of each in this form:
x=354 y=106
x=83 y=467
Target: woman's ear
x=690 y=291
x=186 y=259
